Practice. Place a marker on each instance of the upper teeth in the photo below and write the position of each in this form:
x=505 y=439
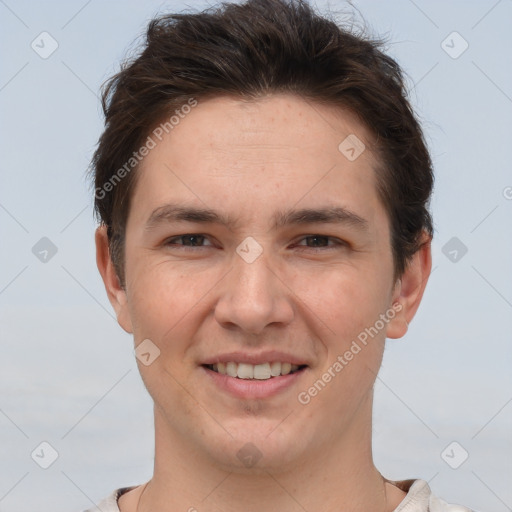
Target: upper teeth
x=254 y=371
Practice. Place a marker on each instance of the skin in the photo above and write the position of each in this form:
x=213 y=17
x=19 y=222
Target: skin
x=304 y=297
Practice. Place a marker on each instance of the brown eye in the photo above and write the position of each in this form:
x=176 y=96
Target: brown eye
x=320 y=242
x=188 y=240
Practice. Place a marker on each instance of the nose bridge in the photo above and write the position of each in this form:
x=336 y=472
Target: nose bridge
x=255 y=277
x=252 y=296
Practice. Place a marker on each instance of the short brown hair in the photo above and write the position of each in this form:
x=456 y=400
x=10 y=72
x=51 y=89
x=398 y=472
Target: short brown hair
x=247 y=51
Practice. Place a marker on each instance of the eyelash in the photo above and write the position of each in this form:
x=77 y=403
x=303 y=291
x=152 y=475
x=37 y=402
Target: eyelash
x=337 y=242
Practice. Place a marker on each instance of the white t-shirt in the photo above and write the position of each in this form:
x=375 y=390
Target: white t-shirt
x=419 y=499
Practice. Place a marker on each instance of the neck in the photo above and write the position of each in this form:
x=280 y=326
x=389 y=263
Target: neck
x=339 y=476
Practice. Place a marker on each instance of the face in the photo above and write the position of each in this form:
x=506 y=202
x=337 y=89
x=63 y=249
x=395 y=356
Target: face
x=253 y=240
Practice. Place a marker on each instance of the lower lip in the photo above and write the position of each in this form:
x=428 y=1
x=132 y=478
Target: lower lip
x=253 y=388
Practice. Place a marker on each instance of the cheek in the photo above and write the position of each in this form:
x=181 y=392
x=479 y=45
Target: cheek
x=349 y=303
x=162 y=304
x=346 y=299
x=160 y=299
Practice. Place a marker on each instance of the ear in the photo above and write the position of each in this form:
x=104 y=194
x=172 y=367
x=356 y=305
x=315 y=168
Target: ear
x=116 y=294
x=409 y=289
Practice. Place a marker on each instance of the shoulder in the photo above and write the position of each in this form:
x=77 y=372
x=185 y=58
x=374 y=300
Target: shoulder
x=420 y=499
x=110 y=503
x=439 y=505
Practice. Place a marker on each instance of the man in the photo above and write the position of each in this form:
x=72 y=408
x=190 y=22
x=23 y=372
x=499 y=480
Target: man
x=262 y=186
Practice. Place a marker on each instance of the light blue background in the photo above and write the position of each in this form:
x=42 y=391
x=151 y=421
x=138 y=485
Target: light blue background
x=67 y=371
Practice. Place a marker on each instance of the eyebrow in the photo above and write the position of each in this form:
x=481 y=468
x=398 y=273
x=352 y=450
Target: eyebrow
x=328 y=215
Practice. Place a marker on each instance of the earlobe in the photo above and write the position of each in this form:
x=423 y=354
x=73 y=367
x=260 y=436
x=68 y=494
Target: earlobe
x=409 y=289
x=116 y=294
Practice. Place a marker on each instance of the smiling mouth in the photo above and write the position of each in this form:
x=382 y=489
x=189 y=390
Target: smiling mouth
x=264 y=371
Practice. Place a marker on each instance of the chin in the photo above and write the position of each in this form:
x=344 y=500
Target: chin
x=256 y=448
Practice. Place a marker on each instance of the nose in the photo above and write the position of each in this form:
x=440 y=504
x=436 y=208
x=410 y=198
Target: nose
x=253 y=296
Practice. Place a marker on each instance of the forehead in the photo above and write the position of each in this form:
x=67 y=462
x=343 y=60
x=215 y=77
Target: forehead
x=276 y=128
x=246 y=158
